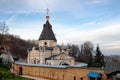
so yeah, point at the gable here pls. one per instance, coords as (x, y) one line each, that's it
(62, 56)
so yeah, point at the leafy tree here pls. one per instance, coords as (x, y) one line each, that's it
(99, 58)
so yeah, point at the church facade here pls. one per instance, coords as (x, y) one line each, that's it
(47, 51)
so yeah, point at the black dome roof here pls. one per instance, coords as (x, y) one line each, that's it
(47, 32)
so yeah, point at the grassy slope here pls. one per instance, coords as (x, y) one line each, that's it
(6, 75)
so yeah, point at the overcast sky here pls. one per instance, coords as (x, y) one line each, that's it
(73, 21)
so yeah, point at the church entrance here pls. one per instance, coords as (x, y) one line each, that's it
(63, 63)
(20, 70)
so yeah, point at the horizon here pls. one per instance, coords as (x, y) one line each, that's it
(72, 21)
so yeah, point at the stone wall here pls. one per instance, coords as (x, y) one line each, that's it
(55, 73)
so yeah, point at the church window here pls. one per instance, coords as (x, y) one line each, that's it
(81, 78)
(45, 43)
(63, 76)
(34, 61)
(38, 61)
(74, 78)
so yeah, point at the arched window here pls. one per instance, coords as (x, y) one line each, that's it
(34, 61)
(81, 78)
(63, 63)
(74, 78)
(20, 70)
(45, 43)
(38, 61)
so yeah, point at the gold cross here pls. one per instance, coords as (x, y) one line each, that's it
(47, 11)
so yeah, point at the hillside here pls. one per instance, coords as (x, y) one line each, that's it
(6, 75)
(15, 45)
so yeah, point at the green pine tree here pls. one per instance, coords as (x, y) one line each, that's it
(99, 58)
(90, 62)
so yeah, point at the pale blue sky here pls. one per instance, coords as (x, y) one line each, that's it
(73, 21)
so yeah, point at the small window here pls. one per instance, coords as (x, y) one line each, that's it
(34, 61)
(91, 78)
(45, 43)
(81, 78)
(74, 78)
(63, 76)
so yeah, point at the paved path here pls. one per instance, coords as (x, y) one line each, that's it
(35, 78)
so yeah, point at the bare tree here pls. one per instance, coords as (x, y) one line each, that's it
(3, 28)
(73, 51)
(3, 31)
(87, 51)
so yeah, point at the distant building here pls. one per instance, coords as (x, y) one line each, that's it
(47, 51)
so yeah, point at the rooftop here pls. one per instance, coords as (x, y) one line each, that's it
(47, 32)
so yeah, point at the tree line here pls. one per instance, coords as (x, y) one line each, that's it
(86, 53)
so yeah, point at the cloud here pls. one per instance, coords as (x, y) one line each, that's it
(106, 31)
(98, 1)
(89, 11)
(107, 36)
(11, 21)
(25, 6)
(28, 6)
(28, 31)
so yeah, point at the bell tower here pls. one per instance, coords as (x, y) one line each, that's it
(47, 37)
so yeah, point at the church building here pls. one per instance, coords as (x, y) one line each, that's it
(47, 51)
